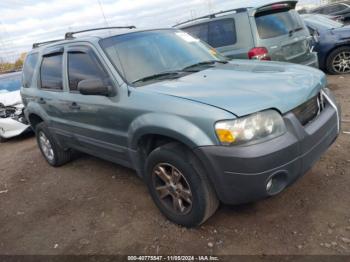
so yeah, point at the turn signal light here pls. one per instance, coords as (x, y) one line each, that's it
(225, 136)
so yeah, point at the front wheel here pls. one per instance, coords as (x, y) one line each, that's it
(338, 61)
(179, 187)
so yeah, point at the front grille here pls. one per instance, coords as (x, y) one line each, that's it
(308, 111)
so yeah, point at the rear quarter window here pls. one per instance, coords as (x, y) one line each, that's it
(276, 24)
(28, 69)
(217, 33)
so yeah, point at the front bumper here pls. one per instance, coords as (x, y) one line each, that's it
(240, 174)
(10, 128)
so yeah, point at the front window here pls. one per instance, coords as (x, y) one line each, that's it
(143, 54)
(10, 83)
(83, 66)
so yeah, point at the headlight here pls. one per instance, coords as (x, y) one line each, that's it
(251, 129)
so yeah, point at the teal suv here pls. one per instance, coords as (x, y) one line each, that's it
(197, 128)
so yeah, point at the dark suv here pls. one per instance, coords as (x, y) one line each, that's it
(338, 9)
(197, 128)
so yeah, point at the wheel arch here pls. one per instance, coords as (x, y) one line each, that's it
(168, 126)
(153, 130)
(34, 119)
(35, 115)
(340, 45)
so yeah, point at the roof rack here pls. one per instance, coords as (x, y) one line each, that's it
(69, 35)
(36, 45)
(213, 15)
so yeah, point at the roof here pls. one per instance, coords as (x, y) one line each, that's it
(242, 7)
(330, 4)
(89, 36)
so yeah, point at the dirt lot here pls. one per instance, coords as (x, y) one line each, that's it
(91, 206)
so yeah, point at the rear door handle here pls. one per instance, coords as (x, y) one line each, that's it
(74, 106)
(41, 101)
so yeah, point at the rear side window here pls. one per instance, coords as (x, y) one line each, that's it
(222, 33)
(217, 33)
(82, 66)
(28, 69)
(199, 31)
(277, 24)
(51, 72)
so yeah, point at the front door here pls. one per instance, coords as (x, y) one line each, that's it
(93, 119)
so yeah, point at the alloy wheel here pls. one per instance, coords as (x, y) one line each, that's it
(341, 62)
(46, 146)
(172, 188)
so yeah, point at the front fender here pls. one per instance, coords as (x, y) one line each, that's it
(171, 126)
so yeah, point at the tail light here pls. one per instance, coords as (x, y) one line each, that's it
(259, 53)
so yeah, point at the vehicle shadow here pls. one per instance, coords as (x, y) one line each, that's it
(19, 138)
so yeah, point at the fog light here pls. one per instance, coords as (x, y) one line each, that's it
(277, 182)
(269, 185)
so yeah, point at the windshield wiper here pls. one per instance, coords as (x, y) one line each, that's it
(291, 32)
(163, 75)
(204, 63)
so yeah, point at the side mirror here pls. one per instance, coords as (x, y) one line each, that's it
(93, 86)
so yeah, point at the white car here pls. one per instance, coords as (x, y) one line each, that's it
(12, 120)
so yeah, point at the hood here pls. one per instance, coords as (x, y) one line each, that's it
(243, 87)
(342, 32)
(10, 98)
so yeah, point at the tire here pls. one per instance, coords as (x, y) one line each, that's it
(174, 157)
(333, 56)
(2, 139)
(59, 155)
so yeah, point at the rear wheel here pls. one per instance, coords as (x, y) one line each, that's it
(50, 148)
(338, 61)
(179, 187)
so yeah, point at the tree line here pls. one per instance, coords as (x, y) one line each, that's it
(12, 66)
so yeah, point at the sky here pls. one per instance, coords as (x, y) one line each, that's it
(23, 22)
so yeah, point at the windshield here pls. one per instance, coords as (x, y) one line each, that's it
(277, 24)
(322, 22)
(143, 54)
(10, 83)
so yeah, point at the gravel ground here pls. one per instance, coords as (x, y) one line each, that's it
(91, 206)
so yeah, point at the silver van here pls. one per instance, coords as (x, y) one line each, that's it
(269, 32)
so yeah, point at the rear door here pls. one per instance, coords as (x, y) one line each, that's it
(280, 29)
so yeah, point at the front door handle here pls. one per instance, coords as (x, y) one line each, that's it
(74, 106)
(41, 101)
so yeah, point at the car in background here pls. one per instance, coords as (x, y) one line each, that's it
(12, 120)
(341, 8)
(269, 32)
(331, 41)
